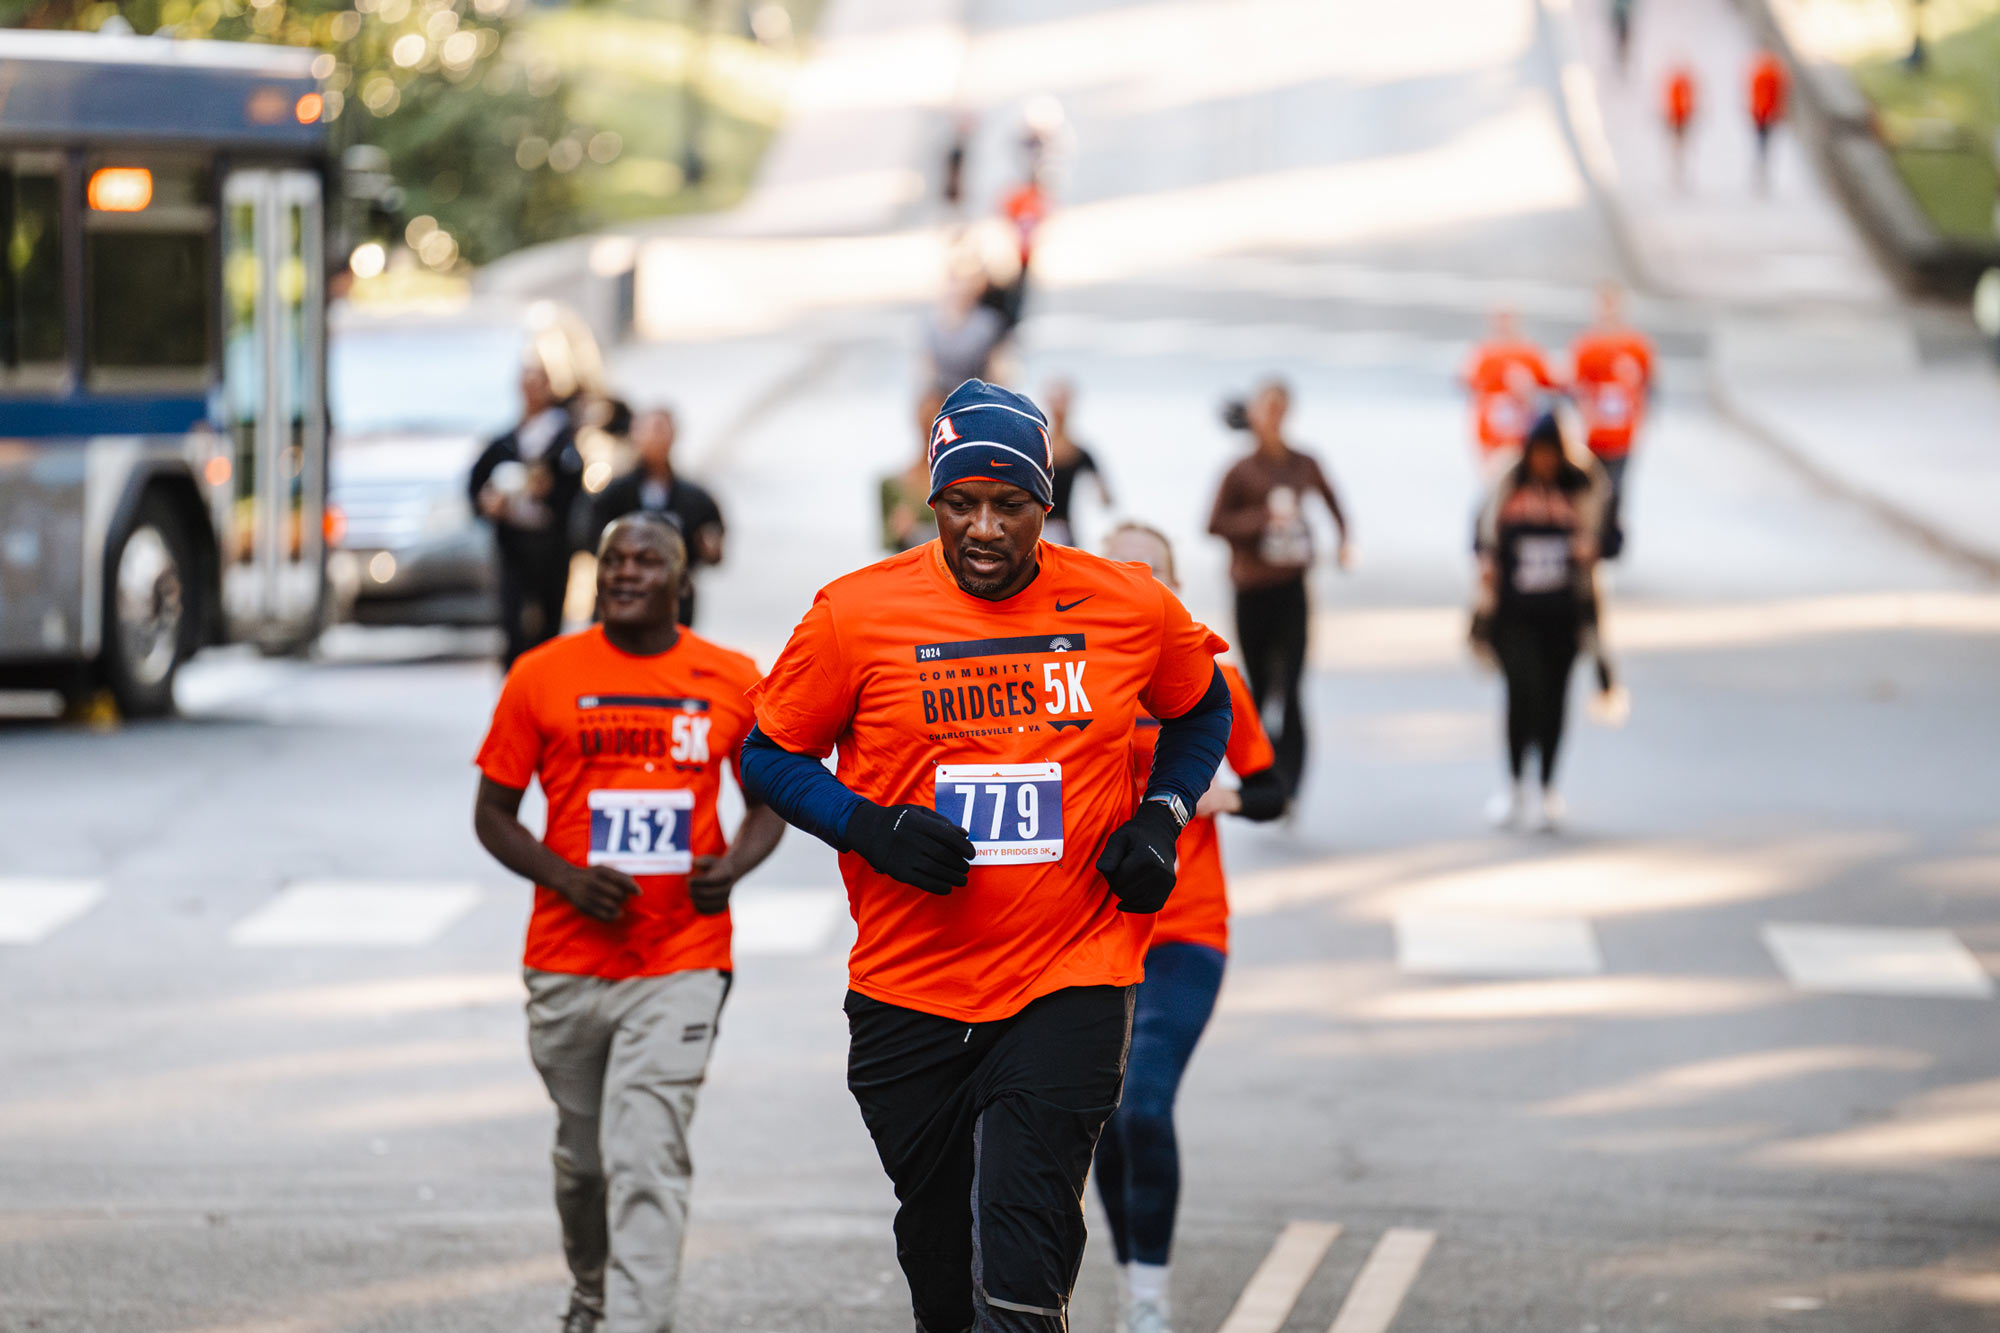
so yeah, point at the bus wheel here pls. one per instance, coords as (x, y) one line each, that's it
(149, 598)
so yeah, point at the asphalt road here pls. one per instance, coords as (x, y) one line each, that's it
(1717, 1057)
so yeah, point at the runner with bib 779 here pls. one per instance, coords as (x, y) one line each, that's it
(981, 691)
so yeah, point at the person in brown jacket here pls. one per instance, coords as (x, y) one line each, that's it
(1260, 511)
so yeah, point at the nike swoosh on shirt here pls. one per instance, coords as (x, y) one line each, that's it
(1075, 604)
(1078, 723)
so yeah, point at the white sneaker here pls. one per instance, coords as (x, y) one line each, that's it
(1504, 807)
(1145, 1317)
(1550, 817)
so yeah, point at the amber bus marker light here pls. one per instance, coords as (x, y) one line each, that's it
(309, 107)
(120, 189)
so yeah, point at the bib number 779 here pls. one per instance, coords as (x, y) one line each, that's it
(1012, 812)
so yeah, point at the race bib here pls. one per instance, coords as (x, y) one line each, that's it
(1012, 812)
(1506, 418)
(642, 832)
(1541, 564)
(1614, 405)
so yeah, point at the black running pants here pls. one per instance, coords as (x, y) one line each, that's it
(1536, 652)
(1271, 632)
(987, 1131)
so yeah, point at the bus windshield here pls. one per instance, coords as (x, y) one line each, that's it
(435, 379)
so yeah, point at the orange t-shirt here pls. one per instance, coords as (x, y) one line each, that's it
(1767, 90)
(1027, 208)
(1198, 911)
(629, 752)
(1680, 99)
(1504, 378)
(1613, 368)
(1013, 718)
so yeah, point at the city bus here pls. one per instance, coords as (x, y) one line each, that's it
(162, 357)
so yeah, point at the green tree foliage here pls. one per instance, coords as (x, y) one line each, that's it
(472, 120)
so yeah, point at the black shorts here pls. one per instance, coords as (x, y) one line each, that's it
(987, 1131)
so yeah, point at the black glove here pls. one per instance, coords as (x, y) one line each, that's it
(1138, 858)
(909, 843)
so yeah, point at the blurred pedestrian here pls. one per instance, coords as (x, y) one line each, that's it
(1003, 874)
(961, 333)
(654, 486)
(1138, 1167)
(951, 188)
(1678, 109)
(1072, 460)
(1611, 382)
(1769, 91)
(1506, 377)
(1621, 33)
(526, 484)
(626, 726)
(907, 520)
(1537, 545)
(1260, 511)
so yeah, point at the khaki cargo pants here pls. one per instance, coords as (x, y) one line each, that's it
(624, 1061)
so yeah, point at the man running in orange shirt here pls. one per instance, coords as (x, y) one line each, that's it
(1612, 382)
(981, 691)
(1138, 1160)
(1768, 88)
(1506, 374)
(626, 725)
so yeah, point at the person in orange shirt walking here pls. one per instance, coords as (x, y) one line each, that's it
(1505, 377)
(1611, 382)
(1679, 111)
(1138, 1159)
(1769, 89)
(626, 725)
(1002, 871)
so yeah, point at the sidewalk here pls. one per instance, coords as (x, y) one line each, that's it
(1811, 350)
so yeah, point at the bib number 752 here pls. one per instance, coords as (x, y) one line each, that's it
(1012, 812)
(642, 832)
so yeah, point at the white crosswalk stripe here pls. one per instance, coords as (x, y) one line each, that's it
(784, 922)
(1456, 944)
(1274, 1288)
(1379, 1288)
(1876, 961)
(33, 909)
(343, 913)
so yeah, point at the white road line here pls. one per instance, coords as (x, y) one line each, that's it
(33, 909)
(1274, 1288)
(337, 912)
(784, 922)
(1496, 946)
(1877, 961)
(1379, 1289)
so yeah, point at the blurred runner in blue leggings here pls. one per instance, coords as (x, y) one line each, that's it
(1138, 1161)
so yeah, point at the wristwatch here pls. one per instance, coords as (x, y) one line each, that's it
(1175, 806)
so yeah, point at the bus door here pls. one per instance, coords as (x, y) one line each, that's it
(274, 405)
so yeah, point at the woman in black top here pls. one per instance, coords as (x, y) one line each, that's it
(1537, 545)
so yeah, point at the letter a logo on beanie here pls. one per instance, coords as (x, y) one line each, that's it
(987, 433)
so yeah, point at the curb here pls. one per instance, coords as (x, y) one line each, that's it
(1903, 522)
(1600, 173)
(1840, 125)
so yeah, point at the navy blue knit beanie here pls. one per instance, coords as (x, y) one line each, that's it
(987, 433)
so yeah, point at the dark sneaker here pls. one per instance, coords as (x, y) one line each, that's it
(581, 1318)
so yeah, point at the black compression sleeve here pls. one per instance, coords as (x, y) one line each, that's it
(1191, 746)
